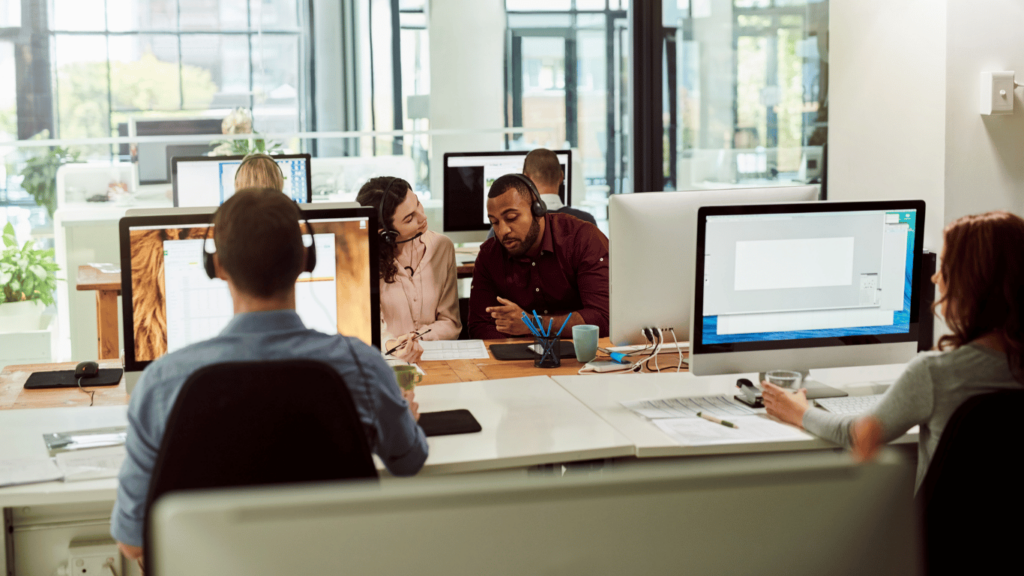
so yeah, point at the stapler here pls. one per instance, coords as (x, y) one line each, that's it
(749, 394)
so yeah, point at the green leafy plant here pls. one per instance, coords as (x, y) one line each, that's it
(26, 273)
(40, 174)
(246, 147)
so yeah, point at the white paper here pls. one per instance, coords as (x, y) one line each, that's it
(91, 464)
(454, 350)
(700, 432)
(687, 407)
(14, 472)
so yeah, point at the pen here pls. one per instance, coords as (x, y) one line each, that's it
(526, 320)
(711, 418)
(563, 325)
(540, 323)
(402, 345)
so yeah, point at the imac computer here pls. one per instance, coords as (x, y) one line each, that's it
(169, 302)
(467, 179)
(153, 156)
(651, 245)
(801, 286)
(210, 180)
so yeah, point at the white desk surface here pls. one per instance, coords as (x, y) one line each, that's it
(525, 421)
(603, 393)
(22, 437)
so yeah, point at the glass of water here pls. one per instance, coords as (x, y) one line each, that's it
(785, 379)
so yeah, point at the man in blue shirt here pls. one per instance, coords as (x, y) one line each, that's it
(260, 255)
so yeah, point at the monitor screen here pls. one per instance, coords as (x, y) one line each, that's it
(814, 275)
(169, 301)
(210, 180)
(468, 178)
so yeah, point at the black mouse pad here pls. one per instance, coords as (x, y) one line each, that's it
(66, 379)
(448, 422)
(522, 352)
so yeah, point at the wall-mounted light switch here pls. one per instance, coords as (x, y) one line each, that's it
(996, 93)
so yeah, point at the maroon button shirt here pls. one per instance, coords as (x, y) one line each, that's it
(569, 275)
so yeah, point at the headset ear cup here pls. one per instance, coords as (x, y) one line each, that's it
(211, 271)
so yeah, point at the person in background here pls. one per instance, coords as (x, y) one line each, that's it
(981, 297)
(418, 290)
(543, 168)
(259, 171)
(260, 255)
(549, 262)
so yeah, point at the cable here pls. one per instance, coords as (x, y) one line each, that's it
(661, 340)
(109, 565)
(679, 350)
(91, 393)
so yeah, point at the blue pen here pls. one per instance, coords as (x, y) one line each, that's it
(551, 323)
(563, 325)
(540, 323)
(526, 319)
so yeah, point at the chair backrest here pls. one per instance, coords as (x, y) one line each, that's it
(968, 498)
(260, 423)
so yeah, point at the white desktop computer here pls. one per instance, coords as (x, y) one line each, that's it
(467, 179)
(651, 246)
(802, 286)
(168, 302)
(210, 180)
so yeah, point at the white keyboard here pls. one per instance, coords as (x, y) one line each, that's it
(849, 404)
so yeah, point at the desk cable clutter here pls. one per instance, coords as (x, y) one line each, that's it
(655, 342)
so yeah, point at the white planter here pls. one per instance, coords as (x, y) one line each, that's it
(20, 316)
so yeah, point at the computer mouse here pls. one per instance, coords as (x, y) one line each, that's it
(87, 369)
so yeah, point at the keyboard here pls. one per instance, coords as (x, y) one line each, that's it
(849, 404)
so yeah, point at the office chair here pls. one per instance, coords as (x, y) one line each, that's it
(259, 423)
(969, 506)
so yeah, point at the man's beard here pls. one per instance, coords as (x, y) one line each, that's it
(527, 243)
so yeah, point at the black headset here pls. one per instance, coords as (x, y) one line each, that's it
(538, 208)
(387, 234)
(310, 251)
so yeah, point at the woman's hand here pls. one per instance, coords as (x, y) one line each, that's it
(785, 405)
(410, 352)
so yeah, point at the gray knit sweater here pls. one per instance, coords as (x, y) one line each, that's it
(927, 393)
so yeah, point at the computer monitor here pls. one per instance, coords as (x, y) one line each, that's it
(801, 286)
(800, 514)
(651, 240)
(168, 302)
(468, 177)
(153, 156)
(210, 180)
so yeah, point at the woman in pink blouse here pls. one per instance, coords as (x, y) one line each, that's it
(418, 289)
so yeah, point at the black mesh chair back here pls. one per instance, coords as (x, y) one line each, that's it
(968, 500)
(260, 423)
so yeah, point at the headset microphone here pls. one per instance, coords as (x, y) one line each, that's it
(410, 239)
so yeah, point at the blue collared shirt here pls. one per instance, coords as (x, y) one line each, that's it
(276, 335)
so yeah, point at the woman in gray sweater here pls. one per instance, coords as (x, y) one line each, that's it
(981, 296)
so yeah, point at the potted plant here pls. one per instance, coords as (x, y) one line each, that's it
(40, 173)
(27, 282)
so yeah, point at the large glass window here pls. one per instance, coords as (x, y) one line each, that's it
(567, 76)
(119, 59)
(746, 93)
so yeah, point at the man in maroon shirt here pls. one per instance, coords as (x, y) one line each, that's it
(552, 263)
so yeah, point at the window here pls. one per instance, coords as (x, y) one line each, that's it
(120, 59)
(567, 76)
(746, 93)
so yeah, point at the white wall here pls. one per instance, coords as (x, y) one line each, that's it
(984, 154)
(467, 86)
(887, 124)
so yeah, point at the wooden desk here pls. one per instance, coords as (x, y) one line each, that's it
(13, 394)
(108, 288)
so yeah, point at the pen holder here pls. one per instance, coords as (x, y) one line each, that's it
(549, 353)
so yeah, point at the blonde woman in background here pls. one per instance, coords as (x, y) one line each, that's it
(259, 171)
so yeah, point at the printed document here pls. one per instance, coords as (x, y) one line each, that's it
(687, 407)
(700, 432)
(454, 350)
